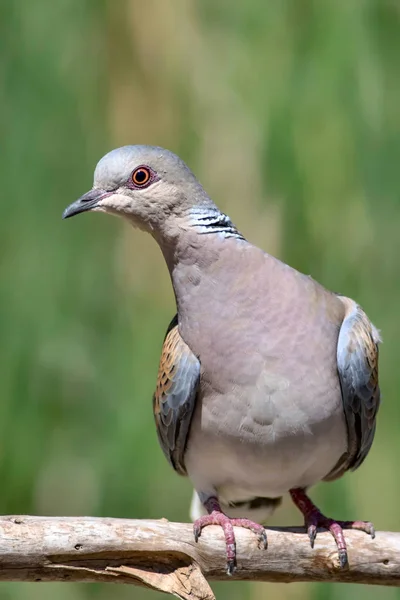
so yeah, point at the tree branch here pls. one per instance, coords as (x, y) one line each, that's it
(164, 556)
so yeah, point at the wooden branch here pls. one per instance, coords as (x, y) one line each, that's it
(164, 556)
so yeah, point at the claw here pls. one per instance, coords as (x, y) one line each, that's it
(343, 559)
(312, 534)
(196, 532)
(262, 540)
(313, 518)
(230, 567)
(217, 517)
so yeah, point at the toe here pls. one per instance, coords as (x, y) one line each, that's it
(199, 524)
(366, 526)
(257, 529)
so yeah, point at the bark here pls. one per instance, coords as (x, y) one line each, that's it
(164, 556)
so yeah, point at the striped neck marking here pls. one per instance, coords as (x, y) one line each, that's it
(211, 220)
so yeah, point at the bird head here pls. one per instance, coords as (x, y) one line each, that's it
(145, 184)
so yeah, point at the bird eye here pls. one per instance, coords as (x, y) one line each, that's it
(141, 176)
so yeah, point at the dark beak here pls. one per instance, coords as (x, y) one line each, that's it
(85, 202)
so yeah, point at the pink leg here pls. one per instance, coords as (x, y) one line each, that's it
(313, 518)
(217, 517)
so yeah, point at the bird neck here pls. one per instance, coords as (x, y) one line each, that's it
(209, 220)
(198, 232)
(195, 248)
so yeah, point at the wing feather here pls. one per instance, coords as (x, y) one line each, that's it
(357, 359)
(175, 396)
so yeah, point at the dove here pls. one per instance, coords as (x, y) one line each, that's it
(267, 382)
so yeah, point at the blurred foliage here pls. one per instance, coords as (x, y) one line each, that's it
(289, 113)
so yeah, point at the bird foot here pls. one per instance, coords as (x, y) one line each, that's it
(217, 517)
(313, 518)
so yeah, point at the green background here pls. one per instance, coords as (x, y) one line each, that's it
(289, 113)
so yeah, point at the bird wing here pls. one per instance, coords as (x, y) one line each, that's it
(175, 396)
(357, 360)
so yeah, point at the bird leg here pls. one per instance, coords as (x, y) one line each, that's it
(313, 518)
(217, 517)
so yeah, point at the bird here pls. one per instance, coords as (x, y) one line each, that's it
(267, 382)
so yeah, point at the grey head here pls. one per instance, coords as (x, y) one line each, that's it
(145, 184)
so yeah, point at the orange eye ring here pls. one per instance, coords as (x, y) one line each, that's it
(141, 176)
